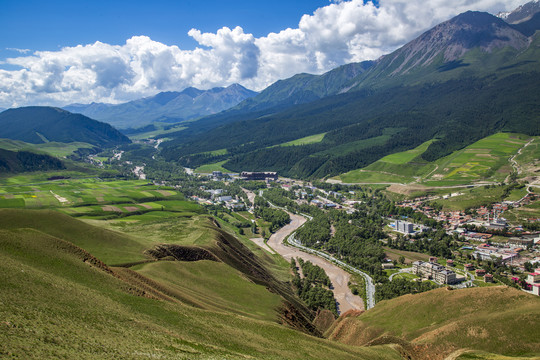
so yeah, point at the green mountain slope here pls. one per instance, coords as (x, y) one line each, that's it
(38, 124)
(304, 88)
(437, 323)
(467, 78)
(484, 160)
(24, 161)
(60, 301)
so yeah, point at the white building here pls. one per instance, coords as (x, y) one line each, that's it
(404, 227)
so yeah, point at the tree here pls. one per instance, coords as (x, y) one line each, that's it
(402, 259)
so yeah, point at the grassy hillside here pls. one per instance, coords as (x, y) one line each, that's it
(498, 320)
(40, 124)
(48, 290)
(52, 148)
(24, 161)
(486, 159)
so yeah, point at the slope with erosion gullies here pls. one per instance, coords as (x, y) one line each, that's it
(497, 320)
(118, 249)
(59, 301)
(489, 85)
(232, 252)
(41, 124)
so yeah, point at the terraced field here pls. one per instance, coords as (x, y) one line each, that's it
(485, 160)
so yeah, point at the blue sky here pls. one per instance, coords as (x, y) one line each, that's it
(48, 25)
(60, 52)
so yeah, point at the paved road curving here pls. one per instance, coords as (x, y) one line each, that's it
(339, 277)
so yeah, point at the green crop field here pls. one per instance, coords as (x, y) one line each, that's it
(70, 194)
(486, 159)
(394, 168)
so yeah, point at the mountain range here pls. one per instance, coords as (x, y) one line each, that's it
(41, 124)
(462, 80)
(169, 107)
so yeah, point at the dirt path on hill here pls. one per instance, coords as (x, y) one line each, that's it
(339, 277)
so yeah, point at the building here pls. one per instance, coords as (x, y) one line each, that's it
(521, 241)
(488, 278)
(480, 272)
(469, 267)
(404, 227)
(434, 271)
(259, 175)
(533, 279)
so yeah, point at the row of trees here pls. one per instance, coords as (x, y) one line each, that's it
(399, 287)
(313, 287)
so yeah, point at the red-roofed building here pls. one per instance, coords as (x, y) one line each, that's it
(488, 278)
(480, 272)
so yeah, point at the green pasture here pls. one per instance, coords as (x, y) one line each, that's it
(47, 293)
(156, 133)
(208, 168)
(312, 139)
(406, 156)
(51, 148)
(366, 176)
(472, 198)
(486, 159)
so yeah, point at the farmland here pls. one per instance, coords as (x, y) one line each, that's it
(486, 159)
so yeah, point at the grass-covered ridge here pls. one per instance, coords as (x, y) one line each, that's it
(47, 292)
(496, 320)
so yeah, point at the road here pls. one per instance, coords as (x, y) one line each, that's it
(339, 277)
(513, 161)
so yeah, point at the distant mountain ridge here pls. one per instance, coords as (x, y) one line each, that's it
(304, 88)
(460, 81)
(170, 106)
(522, 13)
(40, 124)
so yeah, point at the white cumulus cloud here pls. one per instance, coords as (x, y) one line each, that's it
(342, 32)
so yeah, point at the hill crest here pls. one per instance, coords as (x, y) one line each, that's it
(40, 124)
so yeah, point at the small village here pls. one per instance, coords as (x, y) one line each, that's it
(485, 236)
